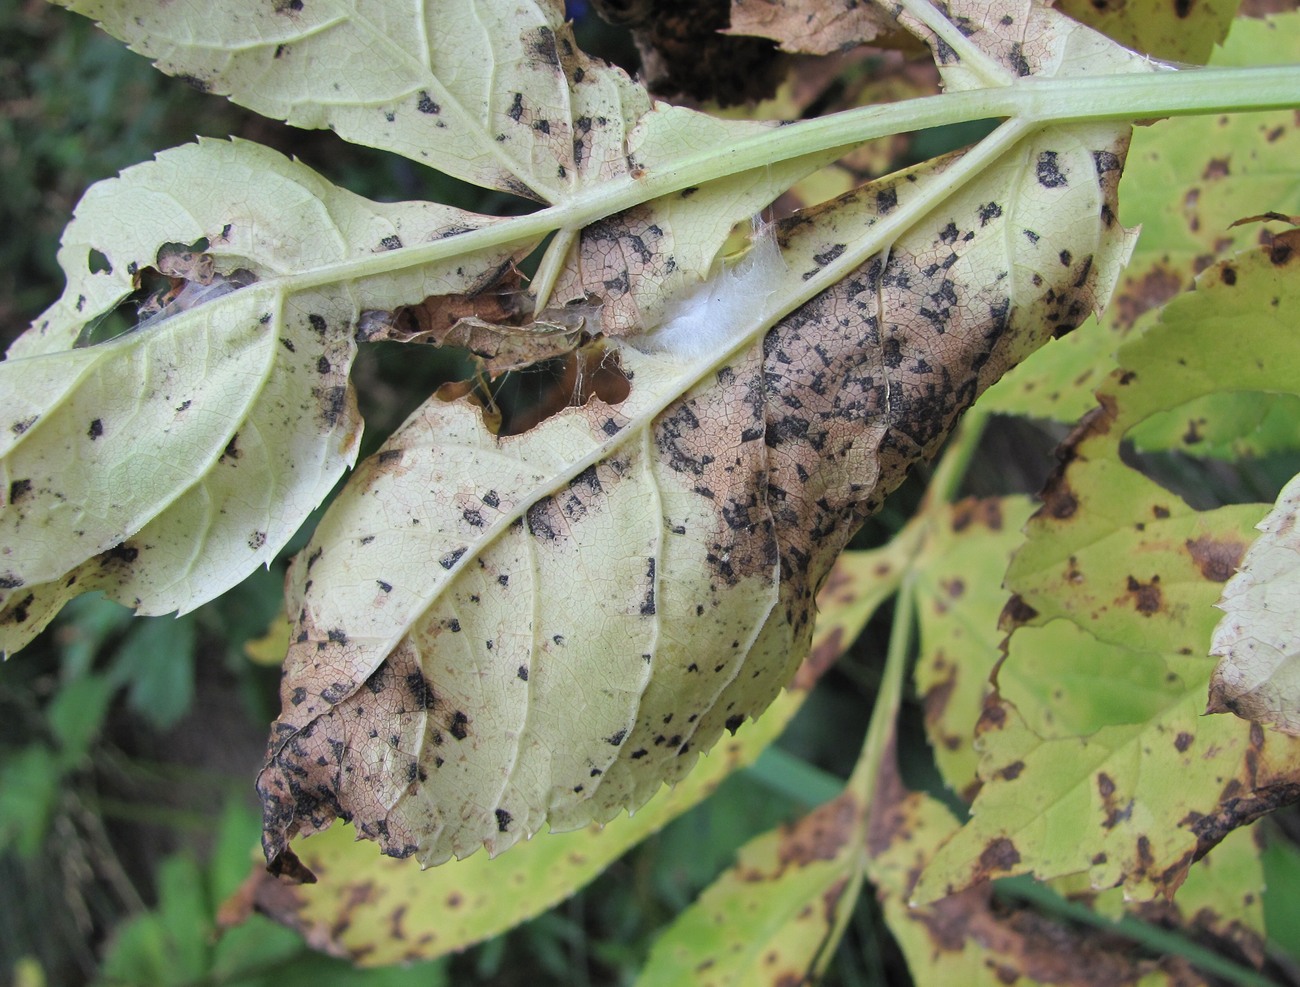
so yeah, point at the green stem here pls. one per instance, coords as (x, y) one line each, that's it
(1031, 100)
(879, 742)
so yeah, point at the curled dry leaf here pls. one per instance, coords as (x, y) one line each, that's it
(1258, 642)
(496, 633)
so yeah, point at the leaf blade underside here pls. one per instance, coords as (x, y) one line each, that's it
(614, 588)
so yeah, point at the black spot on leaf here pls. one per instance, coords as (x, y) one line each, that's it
(1049, 171)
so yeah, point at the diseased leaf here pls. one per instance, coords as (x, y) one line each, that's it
(1258, 676)
(957, 608)
(771, 918)
(1187, 182)
(615, 587)
(1097, 759)
(973, 937)
(496, 94)
(360, 894)
(1171, 29)
(165, 465)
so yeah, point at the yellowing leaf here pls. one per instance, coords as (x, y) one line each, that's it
(494, 634)
(166, 464)
(1183, 32)
(1187, 182)
(1098, 759)
(771, 917)
(359, 894)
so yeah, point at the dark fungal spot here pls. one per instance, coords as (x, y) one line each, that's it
(194, 82)
(421, 692)
(1049, 171)
(648, 604)
(615, 739)
(451, 558)
(317, 322)
(19, 489)
(338, 636)
(522, 673)
(299, 696)
(120, 553)
(541, 46)
(988, 212)
(288, 344)
(19, 613)
(733, 723)
(503, 820)
(389, 456)
(491, 499)
(425, 104)
(639, 753)
(21, 426)
(96, 429)
(386, 587)
(391, 243)
(10, 581)
(473, 518)
(256, 540)
(886, 201)
(1016, 59)
(829, 254)
(459, 725)
(1229, 276)
(323, 365)
(516, 107)
(280, 50)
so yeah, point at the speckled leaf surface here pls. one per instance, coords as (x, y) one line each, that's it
(362, 896)
(1169, 29)
(1258, 676)
(959, 596)
(1098, 758)
(976, 937)
(165, 465)
(494, 634)
(772, 919)
(496, 94)
(1187, 182)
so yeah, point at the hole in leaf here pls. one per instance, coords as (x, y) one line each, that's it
(520, 400)
(98, 262)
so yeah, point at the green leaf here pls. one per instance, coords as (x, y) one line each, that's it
(30, 788)
(156, 665)
(76, 714)
(1098, 759)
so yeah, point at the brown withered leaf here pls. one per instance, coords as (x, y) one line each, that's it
(811, 28)
(498, 633)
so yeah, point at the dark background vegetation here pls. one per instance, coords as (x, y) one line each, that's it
(128, 747)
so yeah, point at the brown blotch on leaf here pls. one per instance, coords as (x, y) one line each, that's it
(999, 855)
(1217, 559)
(1147, 598)
(820, 835)
(1015, 613)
